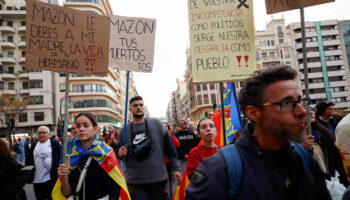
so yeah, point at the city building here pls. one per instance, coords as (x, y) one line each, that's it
(274, 46)
(344, 29)
(16, 80)
(326, 61)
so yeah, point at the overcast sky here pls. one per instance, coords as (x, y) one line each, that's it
(172, 39)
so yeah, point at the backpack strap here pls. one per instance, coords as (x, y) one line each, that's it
(303, 154)
(234, 169)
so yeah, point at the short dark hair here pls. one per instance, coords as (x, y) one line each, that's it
(166, 124)
(322, 106)
(253, 92)
(135, 98)
(90, 116)
(4, 150)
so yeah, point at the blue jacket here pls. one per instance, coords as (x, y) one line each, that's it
(266, 175)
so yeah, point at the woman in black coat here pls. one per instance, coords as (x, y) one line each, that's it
(12, 178)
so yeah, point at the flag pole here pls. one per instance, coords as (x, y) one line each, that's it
(126, 107)
(306, 77)
(65, 120)
(223, 112)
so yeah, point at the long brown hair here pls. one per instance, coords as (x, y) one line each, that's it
(4, 150)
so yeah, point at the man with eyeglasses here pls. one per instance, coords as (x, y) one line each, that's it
(45, 156)
(273, 165)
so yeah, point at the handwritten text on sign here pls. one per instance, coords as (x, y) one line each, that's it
(132, 43)
(66, 40)
(222, 39)
(274, 6)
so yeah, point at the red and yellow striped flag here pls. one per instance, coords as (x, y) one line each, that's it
(179, 193)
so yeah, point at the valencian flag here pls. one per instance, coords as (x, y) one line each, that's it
(179, 193)
(233, 120)
(105, 157)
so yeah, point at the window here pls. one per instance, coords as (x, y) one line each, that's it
(199, 99)
(23, 23)
(268, 42)
(257, 56)
(198, 87)
(264, 55)
(1, 85)
(272, 43)
(279, 29)
(39, 116)
(11, 86)
(62, 74)
(10, 23)
(10, 38)
(272, 54)
(23, 38)
(1, 69)
(23, 54)
(25, 85)
(281, 41)
(23, 117)
(11, 70)
(10, 54)
(37, 100)
(36, 83)
(213, 98)
(212, 86)
(206, 99)
(204, 86)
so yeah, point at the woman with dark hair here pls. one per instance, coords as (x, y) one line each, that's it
(330, 159)
(92, 171)
(207, 132)
(12, 178)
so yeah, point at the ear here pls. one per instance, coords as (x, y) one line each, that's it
(253, 113)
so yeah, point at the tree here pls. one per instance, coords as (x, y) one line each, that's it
(10, 107)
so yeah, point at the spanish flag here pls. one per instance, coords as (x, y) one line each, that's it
(105, 157)
(179, 193)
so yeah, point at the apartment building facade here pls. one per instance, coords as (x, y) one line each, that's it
(326, 61)
(16, 80)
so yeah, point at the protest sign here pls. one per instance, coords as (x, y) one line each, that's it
(222, 39)
(65, 40)
(275, 6)
(132, 43)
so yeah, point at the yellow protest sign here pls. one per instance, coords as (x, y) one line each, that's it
(222, 39)
(65, 40)
(275, 6)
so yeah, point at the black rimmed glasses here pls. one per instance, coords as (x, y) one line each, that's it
(289, 105)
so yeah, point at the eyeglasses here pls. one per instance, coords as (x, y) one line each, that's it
(42, 133)
(289, 105)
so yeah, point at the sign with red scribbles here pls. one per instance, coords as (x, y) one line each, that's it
(132, 43)
(66, 40)
(222, 36)
(275, 6)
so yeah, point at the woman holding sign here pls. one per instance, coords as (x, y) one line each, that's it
(93, 171)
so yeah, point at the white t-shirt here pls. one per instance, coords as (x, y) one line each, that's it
(42, 161)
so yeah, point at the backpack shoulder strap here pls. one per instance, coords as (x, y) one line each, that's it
(303, 154)
(234, 169)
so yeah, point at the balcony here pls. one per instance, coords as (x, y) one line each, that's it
(7, 29)
(8, 76)
(21, 44)
(23, 75)
(340, 94)
(8, 44)
(333, 53)
(337, 83)
(24, 91)
(331, 42)
(308, 44)
(271, 59)
(22, 29)
(7, 91)
(335, 62)
(7, 60)
(22, 60)
(14, 12)
(330, 32)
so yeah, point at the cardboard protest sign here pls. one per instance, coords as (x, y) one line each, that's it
(275, 6)
(65, 40)
(132, 43)
(222, 39)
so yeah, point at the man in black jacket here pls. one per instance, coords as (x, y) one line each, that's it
(45, 156)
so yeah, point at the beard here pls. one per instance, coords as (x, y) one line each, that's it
(138, 115)
(283, 134)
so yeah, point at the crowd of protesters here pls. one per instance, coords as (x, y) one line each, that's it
(276, 158)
